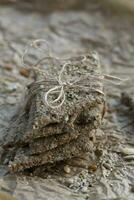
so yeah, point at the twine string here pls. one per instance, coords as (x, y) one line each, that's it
(78, 83)
(60, 88)
(59, 85)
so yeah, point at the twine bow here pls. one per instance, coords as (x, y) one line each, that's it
(61, 85)
(60, 88)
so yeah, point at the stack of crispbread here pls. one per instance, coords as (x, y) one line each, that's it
(61, 114)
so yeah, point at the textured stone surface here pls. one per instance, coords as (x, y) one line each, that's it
(111, 34)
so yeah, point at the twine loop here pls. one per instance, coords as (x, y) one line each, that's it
(59, 89)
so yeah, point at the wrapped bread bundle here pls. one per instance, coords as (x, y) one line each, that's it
(64, 107)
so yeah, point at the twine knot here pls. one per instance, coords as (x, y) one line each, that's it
(60, 85)
(59, 89)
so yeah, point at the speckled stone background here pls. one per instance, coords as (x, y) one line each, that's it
(71, 27)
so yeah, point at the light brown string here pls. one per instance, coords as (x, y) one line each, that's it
(60, 86)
